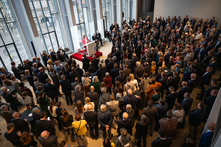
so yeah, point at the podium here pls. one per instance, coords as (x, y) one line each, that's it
(90, 48)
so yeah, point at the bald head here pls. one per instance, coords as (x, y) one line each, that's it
(15, 115)
(211, 126)
(45, 134)
(125, 115)
(130, 92)
(92, 88)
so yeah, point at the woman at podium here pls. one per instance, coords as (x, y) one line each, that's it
(85, 40)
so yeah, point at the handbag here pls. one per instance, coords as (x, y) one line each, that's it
(74, 134)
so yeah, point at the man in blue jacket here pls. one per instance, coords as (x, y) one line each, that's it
(206, 138)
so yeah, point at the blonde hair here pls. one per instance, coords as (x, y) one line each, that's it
(153, 63)
(131, 76)
(95, 79)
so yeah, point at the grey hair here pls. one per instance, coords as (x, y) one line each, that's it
(129, 107)
(103, 90)
(78, 88)
(107, 74)
(62, 77)
(35, 110)
(103, 108)
(95, 79)
(4, 107)
(3, 89)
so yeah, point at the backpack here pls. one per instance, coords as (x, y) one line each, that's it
(124, 145)
(105, 101)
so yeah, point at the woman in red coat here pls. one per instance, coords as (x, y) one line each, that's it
(108, 81)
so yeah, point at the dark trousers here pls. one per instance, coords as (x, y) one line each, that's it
(59, 123)
(193, 132)
(100, 40)
(94, 131)
(68, 98)
(139, 140)
(54, 97)
(105, 132)
(151, 128)
(202, 91)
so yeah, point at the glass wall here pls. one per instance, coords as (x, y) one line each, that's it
(47, 20)
(81, 8)
(125, 9)
(12, 46)
(115, 10)
(106, 8)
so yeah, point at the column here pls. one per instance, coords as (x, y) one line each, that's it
(65, 27)
(100, 23)
(91, 18)
(135, 9)
(119, 13)
(72, 24)
(28, 27)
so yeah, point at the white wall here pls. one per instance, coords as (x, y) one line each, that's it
(194, 8)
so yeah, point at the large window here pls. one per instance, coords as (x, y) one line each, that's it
(115, 10)
(47, 20)
(106, 8)
(125, 9)
(81, 16)
(11, 43)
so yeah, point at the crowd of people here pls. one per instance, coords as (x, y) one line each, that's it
(144, 84)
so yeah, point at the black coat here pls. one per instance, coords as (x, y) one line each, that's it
(42, 77)
(181, 93)
(127, 124)
(133, 63)
(138, 72)
(163, 81)
(101, 73)
(85, 62)
(174, 82)
(95, 63)
(110, 66)
(192, 84)
(114, 73)
(16, 72)
(186, 103)
(158, 142)
(20, 125)
(93, 96)
(42, 125)
(206, 78)
(170, 99)
(54, 78)
(196, 117)
(91, 118)
(50, 141)
(121, 79)
(51, 89)
(73, 75)
(66, 86)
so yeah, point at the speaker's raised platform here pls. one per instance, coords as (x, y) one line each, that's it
(79, 56)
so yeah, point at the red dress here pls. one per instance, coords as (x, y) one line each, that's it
(143, 51)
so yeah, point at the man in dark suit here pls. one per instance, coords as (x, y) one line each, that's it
(126, 70)
(163, 81)
(205, 80)
(151, 113)
(139, 71)
(217, 44)
(105, 120)
(121, 78)
(13, 136)
(51, 90)
(213, 84)
(9, 98)
(66, 89)
(20, 125)
(44, 124)
(16, 71)
(162, 108)
(79, 70)
(162, 140)
(91, 118)
(186, 75)
(95, 62)
(133, 62)
(206, 138)
(202, 52)
(73, 74)
(192, 22)
(110, 65)
(218, 56)
(85, 62)
(93, 96)
(187, 103)
(174, 81)
(114, 72)
(6, 113)
(42, 75)
(53, 56)
(98, 37)
(131, 99)
(182, 91)
(209, 101)
(167, 56)
(55, 79)
(192, 82)
(101, 72)
(138, 49)
(213, 64)
(118, 54)
(46, 139)
(195, 119)
(170, 98)
(126, 123)
(77, 82)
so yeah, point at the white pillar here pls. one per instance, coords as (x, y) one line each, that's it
(72, 24)
(100, 23)
(119, 13)
(135, 9)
